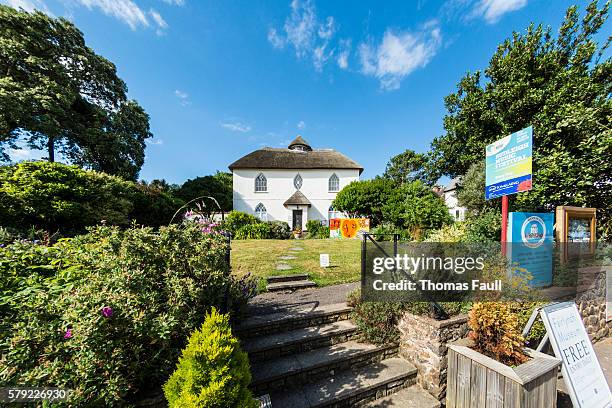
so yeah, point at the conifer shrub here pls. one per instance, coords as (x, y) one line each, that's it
(212, 371)
(495, 332)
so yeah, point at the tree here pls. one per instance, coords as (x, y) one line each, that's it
(364, 198)
(559, 85)
(407, 167)
(471, 190)
(218, 186)
(416, 208)
(58, 95)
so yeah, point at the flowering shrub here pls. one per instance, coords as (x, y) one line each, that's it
(106, 313)
(212, 370)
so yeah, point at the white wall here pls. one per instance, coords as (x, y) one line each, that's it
(456, 211)
(280, 188)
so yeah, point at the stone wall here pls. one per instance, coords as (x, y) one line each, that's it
(591, 301)
(423, 343)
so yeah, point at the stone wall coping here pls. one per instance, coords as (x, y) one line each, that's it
(595, 269)
(438, 324)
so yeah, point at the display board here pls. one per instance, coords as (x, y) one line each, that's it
(582, 373)
(348, 227)
(531, 238)
(508, 162)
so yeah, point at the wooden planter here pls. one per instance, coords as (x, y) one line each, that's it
(477, 381)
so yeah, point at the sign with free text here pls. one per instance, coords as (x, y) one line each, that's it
(508, 163)
(324, 260)
(582, 373)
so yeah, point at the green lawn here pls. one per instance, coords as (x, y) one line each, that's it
(260, 256)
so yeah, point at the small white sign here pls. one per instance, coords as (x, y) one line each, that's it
(324, 260)
(582, 373)
(608, 295)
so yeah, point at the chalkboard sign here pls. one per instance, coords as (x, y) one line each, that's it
(581, 370)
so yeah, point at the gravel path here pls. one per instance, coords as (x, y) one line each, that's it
(273, 302)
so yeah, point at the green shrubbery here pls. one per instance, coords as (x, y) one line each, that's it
(238, 219)
(212, 370)
(106, 313)
(246, 226)
(260, 230)
(316, 230)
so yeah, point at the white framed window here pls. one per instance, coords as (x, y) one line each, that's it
(331, 213)
(261, 212)
(261, 183)
(334, 183)
(297, 182)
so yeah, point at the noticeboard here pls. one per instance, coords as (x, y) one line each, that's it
(582, 373)
(508, 162)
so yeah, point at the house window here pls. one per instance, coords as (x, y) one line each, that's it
(261, 184)
(261, 213)
(334, 183)
(297, 182)
(331, 213)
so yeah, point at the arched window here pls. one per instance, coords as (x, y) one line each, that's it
(261, 213)
(334, 183)
(331, 213)
(297, 182)
(261, 183)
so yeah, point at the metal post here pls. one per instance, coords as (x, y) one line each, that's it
(504, 223)
(363, 260)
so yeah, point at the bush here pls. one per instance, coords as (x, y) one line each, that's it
(484, 227)
(106, 313)
(254, 231)
(152, 206)
(212, 370)
(313, 227)
(378, 320)
(280, 230)
(238, 219)
(323, 232)
(54, 196)
(495, 332)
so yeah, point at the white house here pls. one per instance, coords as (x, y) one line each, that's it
(451, 201)
(294, 185)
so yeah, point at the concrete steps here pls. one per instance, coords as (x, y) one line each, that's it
(411, 397)
(352, 387)
(300, 368)
(312, 357)
(288, 282)
(299, 340)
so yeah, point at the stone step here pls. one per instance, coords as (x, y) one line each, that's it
(295, 370)
(293, 285)
(410, 397)
(299, 340)
(272, 323)
(287, 278)
(353, 387)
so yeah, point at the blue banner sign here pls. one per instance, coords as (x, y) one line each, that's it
(509, 164)
(530, 248)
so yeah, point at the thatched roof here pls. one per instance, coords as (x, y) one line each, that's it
(297, 199)
(275, 158)
(298, 143)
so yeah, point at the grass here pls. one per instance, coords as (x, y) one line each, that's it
(260, 257)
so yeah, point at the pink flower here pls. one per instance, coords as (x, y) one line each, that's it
(68, 334)
(107, 311)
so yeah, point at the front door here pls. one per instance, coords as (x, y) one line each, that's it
(297, 219)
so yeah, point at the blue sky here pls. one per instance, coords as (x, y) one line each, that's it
(222, 78)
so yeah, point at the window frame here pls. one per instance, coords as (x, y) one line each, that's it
(336, 180)
(261, 183)
(261, 215)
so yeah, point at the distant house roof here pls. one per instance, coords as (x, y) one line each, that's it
(453, 184)
(297, 199)
(299, 155)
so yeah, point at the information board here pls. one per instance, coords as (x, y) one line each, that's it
(324, 260)
(532, 238)
(582, 373)
(509, 164)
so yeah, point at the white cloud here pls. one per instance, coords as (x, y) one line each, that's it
(26, 153)
(159, 20)
(399, 54)
(236, 127)
(175, 2)
(493, 10)
(301, 125)
(29, 5)
(302, 30)
(344, 50)
(183, 97)
(155, 141)
(124, 10)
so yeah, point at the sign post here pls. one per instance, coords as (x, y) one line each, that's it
(508, 170)
(582, 373)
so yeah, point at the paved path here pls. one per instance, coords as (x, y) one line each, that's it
(603, 349)
(271, 302)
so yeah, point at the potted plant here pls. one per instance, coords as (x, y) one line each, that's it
(297, 233)
(493, 368)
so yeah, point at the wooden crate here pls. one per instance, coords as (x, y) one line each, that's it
(477, 381)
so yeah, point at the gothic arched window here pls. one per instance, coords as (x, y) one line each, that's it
(261, 212)
(334, 183)
(261, 183)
